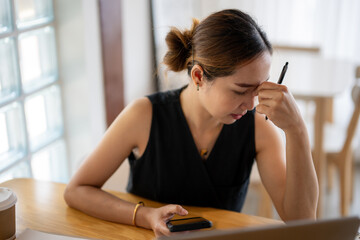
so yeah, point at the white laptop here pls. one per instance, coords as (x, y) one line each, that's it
(328, 229)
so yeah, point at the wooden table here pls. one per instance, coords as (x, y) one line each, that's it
(41, 207)
(312, 77)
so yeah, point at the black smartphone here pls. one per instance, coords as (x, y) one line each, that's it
(186, 224)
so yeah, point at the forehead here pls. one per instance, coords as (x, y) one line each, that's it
(258, 69)
(253, 73)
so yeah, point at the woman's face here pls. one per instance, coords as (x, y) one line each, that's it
(229, 98)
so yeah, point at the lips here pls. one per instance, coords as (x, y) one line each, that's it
(237, 116)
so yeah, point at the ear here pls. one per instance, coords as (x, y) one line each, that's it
(197, 75)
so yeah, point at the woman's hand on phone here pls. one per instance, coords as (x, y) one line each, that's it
(157, 218)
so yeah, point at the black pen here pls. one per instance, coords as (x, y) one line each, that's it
(282, 75)
(281, 78)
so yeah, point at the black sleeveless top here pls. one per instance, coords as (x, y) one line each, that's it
(171, 169)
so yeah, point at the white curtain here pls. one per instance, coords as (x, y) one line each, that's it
(332, 25)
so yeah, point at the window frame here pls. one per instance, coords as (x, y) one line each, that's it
(22, 95)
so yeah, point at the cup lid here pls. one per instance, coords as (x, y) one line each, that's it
(7, 198)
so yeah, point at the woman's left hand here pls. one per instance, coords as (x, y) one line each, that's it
(277, 103)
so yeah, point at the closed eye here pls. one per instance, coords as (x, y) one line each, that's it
(240, 93)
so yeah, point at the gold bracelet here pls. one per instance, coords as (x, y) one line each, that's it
(135, 210)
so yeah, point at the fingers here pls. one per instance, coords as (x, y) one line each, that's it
(161, 230)
(177, 209)
(263, 109)
(265, 86)
(268, 106)
(271, 97)
(167, 212)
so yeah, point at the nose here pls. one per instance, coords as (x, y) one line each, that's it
(249, 102)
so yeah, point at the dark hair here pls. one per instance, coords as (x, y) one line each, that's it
(219, 44)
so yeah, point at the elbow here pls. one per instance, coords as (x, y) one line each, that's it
(300, 217)
(309, 214)
(69, 195)
(303, 209)
(306, 210)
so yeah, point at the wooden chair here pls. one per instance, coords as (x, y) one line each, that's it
(343, 159)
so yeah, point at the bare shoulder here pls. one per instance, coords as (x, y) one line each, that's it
(135, 120)
(267, 135)
(264, 128)
(139, 107)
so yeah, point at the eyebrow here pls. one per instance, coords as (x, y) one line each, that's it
(247, 85)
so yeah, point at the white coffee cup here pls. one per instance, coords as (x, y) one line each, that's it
(7, 214)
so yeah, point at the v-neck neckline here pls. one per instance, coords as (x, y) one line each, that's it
(188, 130)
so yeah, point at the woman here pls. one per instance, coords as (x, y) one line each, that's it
(196, 145)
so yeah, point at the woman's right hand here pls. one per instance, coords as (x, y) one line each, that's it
(157, 218)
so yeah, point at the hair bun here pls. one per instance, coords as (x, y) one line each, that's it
(179, 47)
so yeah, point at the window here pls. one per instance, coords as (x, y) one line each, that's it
(31, 125)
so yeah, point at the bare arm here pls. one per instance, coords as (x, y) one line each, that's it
(287, 173)
(130, 130)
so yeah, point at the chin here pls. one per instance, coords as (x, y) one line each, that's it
(228, 121)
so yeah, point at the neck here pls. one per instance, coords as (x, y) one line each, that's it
(196, 115)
